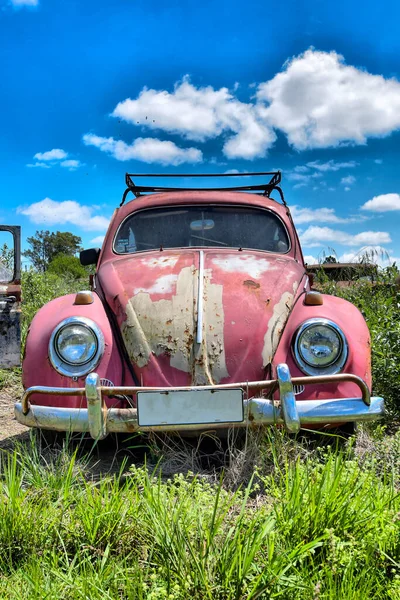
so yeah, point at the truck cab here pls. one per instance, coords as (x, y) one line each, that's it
(10, 296)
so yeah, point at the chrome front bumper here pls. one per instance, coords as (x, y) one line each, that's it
(98, 420)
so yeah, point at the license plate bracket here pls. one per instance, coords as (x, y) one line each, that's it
(189, 407)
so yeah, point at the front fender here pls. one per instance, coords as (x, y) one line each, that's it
(353, 325)
(37, 369)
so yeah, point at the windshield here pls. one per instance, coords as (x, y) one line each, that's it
(185, 226)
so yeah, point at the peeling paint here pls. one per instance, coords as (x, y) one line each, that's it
(167, 326)
(276, 324)
(160, 327)
(213, 341)
(250, 265)
(163, 285)
(161, 262)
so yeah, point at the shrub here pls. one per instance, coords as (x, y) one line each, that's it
(379, 302)
(40, 288)
(67, 266)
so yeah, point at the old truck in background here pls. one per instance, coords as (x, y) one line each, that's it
(10, 297)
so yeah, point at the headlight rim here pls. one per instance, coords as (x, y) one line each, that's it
(61, 365)
(337, 365)
(57, 345)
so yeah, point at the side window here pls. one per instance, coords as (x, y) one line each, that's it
(10, 296)
(6, 256)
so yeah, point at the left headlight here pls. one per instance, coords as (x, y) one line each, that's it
(76, 346)
(320, 347)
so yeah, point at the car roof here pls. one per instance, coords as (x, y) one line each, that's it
(200, 197)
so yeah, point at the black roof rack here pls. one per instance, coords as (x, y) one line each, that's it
(264, 188)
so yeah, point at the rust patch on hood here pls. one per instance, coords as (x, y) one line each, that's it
(251, 285)
(168, 326)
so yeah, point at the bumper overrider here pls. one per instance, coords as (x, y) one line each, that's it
(168, 407)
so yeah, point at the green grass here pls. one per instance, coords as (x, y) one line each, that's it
(286, 519)
(325, 527)
(40, 288)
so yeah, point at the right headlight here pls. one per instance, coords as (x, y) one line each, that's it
(320, 347)
(76, 346)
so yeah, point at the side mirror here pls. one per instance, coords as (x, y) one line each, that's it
(89, 257)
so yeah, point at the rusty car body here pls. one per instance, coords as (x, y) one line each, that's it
(200, 317)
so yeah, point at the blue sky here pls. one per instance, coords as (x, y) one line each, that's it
(93, 89)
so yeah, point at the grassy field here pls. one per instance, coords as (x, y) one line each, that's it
(311, 523)
(278, 517)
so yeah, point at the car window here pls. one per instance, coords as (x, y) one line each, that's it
(6, 256)
(6, 274)
(182, 227)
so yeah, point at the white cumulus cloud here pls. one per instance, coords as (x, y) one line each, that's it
(55, 154)
(98, 240)
(315, 215)
(149, 150)
(383, 203)
(318, 101)
(50, 212)
(310, 260)
(319, 236)
(40, 165)
(349, 180)
(201, 113)
(302, 176)
(70, 164)
(331, 165)
(55, 157)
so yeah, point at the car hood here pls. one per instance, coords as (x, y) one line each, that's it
(231, 334)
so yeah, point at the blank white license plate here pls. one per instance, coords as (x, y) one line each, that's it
(192, 407)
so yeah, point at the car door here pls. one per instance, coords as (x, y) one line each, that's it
(10, 296)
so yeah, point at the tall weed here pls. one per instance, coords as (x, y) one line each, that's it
(379, 302)
(325, 527)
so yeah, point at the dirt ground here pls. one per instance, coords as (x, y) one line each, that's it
(10, 430)
(106, 457)
(205, 455)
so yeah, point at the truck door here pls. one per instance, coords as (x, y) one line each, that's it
(10, 296)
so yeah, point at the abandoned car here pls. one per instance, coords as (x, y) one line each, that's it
(200, 317)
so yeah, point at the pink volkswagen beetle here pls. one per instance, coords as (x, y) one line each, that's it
(200, 317)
